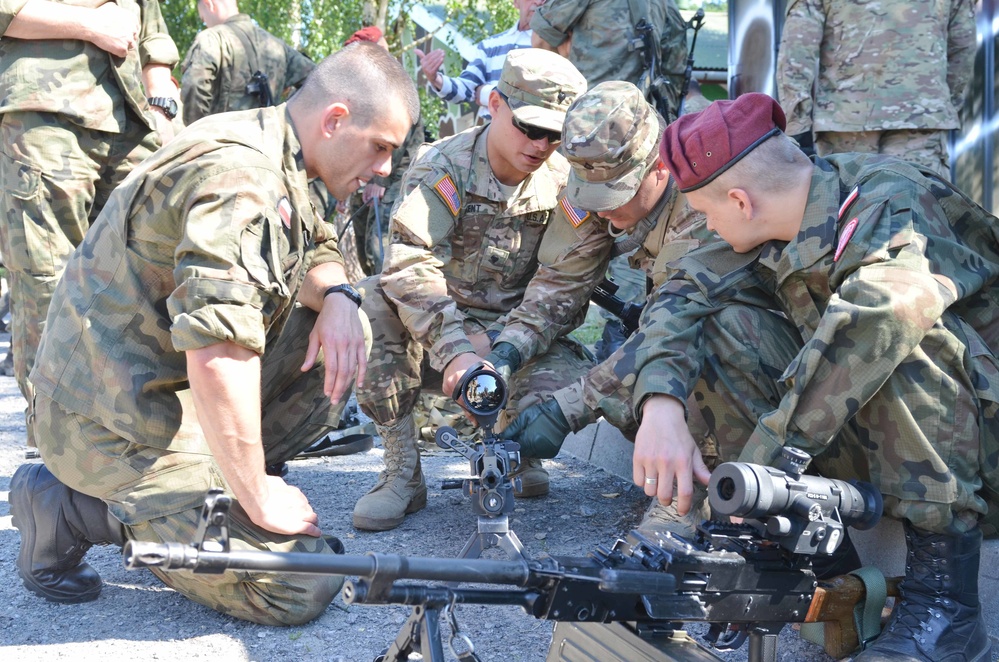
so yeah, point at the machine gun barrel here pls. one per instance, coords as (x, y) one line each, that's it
(178, 556)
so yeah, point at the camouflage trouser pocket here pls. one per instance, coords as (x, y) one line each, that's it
(26, 243)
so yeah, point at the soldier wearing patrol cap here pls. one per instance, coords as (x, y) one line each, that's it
(619, 184)
(465, 250)
(203, 331)
(892, 277)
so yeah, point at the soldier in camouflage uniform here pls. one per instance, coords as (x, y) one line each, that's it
(892, 278)
(74, 121)
(223, 58)
(462, 282)
(617, 179)
(208, 301)
(886, 77)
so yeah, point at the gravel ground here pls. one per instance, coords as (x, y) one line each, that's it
(137, 618)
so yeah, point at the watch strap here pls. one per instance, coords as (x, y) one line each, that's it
(345, 289)
(166, 104)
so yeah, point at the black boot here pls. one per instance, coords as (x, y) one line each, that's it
(938, 618)
(58, 525)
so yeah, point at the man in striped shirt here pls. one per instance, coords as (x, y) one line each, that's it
(474, 84)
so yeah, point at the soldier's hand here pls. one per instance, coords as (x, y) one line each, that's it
(340, 334)
(164, 127)
(284, 509)
(430, 63)
(112, 29)
(665, 453)
(505, 359)
(372, 191)
(540, 430)
(457, 368)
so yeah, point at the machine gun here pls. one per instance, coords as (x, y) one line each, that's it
(695, 23)
(633, 596)
(605, 296)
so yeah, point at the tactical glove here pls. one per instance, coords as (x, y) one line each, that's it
(505, 358)
(806, 143)
(540, 430)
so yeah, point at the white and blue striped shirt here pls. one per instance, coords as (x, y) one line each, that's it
(484, 69)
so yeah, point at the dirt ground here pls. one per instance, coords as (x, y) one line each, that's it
(137, 618)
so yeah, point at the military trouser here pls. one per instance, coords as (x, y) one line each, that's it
(158, 492)
(397, 370)
(926, 148)
(56, 178)
(927, 440)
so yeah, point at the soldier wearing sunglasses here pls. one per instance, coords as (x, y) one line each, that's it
(466, 236)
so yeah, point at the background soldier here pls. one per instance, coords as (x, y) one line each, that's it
(221, 63)
(464, 250)
(74, 83)
(892, 277)
(183, 303)
(886, 77)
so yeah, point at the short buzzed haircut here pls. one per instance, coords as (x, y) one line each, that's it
(364, 76)
(764, 169)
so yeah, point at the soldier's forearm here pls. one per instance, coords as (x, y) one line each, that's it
(41, 19)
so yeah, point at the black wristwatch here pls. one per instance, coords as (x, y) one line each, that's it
(166, 104)
(346, 290)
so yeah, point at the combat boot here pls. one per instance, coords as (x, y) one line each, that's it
(58, 525)
(400, 489)
(938, 618)
(533, 479)
(659, 519)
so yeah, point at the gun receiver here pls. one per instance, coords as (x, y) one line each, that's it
(605, 296)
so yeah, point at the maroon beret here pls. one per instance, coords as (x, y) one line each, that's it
(698, 147)
(371, 33)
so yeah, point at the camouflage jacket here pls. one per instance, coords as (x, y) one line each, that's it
(217, 68)
(462, 247)
(76, 79)
(860, 65)
(673, 230)
(600, 33)
(207, 241)
(886, 260)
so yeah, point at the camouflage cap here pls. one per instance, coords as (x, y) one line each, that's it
(540, 86)
(609, 134)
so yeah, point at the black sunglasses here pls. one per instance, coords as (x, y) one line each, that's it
(532, 132)
(536, 132)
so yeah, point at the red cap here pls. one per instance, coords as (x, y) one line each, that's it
(698, 147)
(371, 33)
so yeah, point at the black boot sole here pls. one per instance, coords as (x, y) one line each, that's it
(23, 519)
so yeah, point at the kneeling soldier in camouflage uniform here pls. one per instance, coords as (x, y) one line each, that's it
(611, 139)
(892, 277)
(202, 331)
(456, 283)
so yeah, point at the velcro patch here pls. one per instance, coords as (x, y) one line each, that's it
(449, 193)
(575, 215)
(844, 238)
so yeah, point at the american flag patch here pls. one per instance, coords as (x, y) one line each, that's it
(449, 193)
(844, 238)
(575, 215)
(284, 210)
(850, 199)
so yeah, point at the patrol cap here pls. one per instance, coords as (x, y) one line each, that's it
(540, 86)
(610, 133)
(698, 147)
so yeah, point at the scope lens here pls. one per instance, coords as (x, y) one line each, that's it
(484, 394)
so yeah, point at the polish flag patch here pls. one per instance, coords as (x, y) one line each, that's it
(284, 210)
(844, 238)
(575, 215)
(850, 199)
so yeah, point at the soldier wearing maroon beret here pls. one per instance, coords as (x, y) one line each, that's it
(892, 277)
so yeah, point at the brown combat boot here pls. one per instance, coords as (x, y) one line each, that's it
(938, 618)
(533, 479)
(58, 525)
(400, 489)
